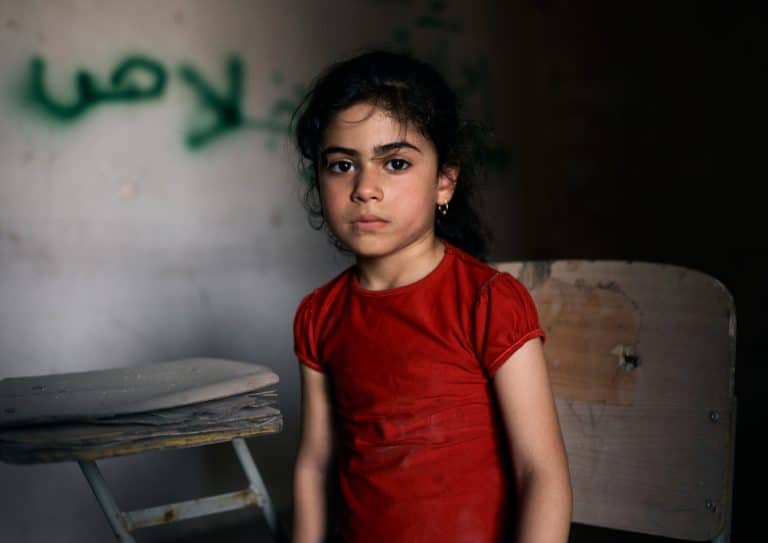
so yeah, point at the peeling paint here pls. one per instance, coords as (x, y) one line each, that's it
(627, 359)
(535, 273)
(592, 336)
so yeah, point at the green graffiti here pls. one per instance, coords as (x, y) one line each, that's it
(470, 76)
(277, 78)
(123, 86)
(139, 78)
(474, 77)
(280, 114)
(226, 107)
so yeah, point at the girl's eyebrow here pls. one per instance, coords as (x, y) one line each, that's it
(378, 150)
(387, 147)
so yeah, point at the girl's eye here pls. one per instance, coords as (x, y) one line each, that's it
(398, 164)
(340, 166)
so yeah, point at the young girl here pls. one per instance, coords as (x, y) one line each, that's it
(425, 391)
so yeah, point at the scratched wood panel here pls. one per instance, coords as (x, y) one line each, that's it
(105, 393)
(641, 358)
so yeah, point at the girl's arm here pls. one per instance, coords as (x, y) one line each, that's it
(315, 447)
(540, 465)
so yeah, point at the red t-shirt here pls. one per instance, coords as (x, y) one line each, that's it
(422, 454)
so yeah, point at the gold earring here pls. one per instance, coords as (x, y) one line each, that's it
(443, 209)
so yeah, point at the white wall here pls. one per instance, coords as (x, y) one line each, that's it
(122, 245)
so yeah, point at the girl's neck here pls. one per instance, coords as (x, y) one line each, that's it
(402, 267)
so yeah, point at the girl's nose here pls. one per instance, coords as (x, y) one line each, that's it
(366, 187)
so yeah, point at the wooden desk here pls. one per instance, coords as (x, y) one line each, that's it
(85, 416)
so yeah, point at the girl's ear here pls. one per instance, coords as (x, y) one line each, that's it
(446, 183)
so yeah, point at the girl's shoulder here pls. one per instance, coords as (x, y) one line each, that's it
(327, 291)
(313, 309)
(479, 279)
(467, 260)
(471, 271)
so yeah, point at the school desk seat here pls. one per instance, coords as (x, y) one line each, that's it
(641, 359)
(85, 416)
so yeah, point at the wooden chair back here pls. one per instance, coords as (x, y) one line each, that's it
(641, 358)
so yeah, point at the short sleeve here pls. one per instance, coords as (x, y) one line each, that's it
(304, 344)
(505, 318)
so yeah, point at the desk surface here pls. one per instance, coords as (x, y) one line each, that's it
(107, 393)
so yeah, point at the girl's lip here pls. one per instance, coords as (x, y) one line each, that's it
(366, 218)
(368, 223)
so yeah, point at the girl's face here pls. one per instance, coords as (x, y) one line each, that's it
(379, 182)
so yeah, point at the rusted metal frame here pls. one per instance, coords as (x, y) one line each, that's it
(122, 524)
(99, 486)
(174, 512)
(725, 535)
(258, 487)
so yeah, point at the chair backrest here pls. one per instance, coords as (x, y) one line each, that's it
(641, 358)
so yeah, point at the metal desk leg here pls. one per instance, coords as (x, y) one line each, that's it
(257, 484)
(107, 502)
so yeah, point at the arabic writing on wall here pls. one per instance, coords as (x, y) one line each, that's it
(141, 78)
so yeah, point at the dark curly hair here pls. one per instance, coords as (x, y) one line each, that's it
(413, 92)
